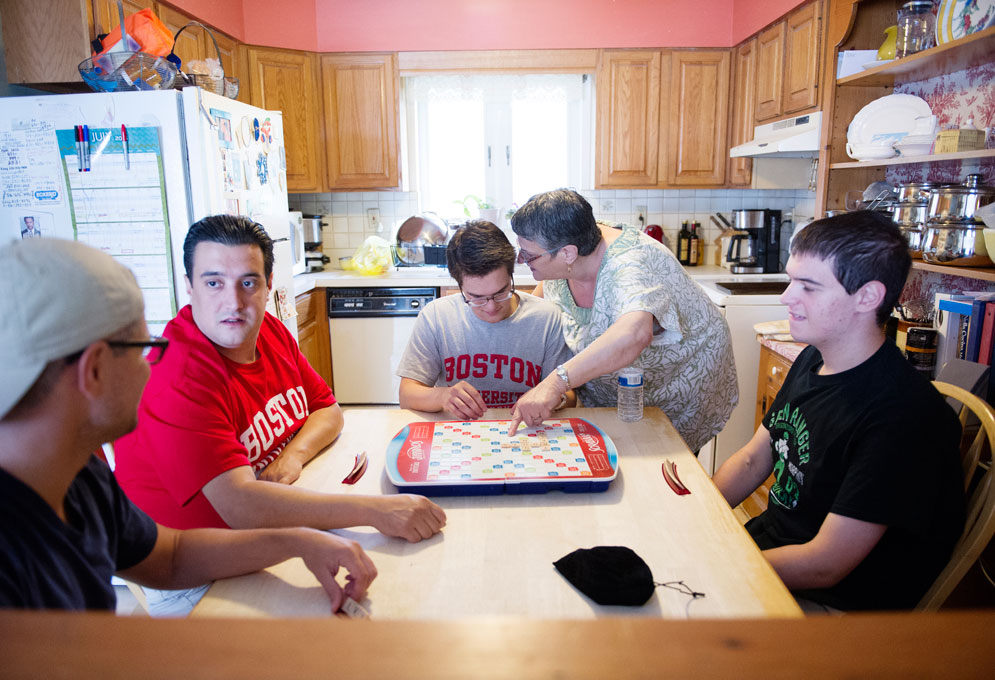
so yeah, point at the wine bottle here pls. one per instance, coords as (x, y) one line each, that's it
(684, 244)
(694, 248)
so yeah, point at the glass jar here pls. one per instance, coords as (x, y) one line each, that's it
(916, 28)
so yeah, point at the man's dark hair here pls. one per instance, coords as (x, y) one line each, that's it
(478, 248)
(556, 219)
(228, 230)
(862, 246)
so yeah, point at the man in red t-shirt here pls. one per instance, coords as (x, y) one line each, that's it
(234, 411)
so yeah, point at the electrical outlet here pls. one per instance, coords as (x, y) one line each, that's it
(373, 219)
(641, 214)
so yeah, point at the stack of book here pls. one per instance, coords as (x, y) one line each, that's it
(965, 327)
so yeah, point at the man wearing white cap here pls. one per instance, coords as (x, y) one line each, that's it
(74, 358)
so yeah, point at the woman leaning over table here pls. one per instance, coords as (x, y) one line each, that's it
(626, 301)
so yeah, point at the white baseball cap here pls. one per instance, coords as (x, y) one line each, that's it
(56, 298)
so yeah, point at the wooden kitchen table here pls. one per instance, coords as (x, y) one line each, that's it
(495, 555)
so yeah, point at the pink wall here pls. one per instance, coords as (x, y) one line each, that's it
(226, 15)
(408, 25)
(749, 16)
(520, 24)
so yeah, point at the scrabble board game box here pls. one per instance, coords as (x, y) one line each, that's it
(478, 457)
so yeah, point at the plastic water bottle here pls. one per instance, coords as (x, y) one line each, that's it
(630, 394)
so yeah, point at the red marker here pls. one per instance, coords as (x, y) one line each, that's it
(124, 143)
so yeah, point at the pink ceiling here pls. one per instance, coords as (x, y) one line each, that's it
(403, 25)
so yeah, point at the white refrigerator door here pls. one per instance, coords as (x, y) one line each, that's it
(238, 166)
(119, 204)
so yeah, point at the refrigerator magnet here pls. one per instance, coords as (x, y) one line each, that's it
(262, 169)
(246, 128)
(255, 129)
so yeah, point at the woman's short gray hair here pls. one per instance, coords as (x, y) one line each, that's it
(556, 219)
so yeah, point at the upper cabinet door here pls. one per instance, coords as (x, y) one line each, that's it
(192, 43)
(801, 66)
(45, 40)
(360, 99)
(770, 74)
(743, 104)
(628, 118)
(105, 15)
(286, 81)
(699, 117)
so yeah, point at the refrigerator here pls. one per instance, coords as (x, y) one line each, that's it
(129, 172)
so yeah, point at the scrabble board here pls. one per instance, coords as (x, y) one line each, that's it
(478, 457)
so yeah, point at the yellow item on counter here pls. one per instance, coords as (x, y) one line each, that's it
(887, 49)
(373, 257)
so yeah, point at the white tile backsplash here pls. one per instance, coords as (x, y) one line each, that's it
(349, 227)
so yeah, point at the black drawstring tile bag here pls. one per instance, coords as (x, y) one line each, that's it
(608, 575)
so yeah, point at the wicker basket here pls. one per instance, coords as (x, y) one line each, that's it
(221, 85)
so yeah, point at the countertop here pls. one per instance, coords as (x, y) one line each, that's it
(413, 277)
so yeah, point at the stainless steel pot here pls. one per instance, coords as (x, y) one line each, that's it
(959, 202)
(910, 214)
(914, 236)
(915, 192)
(418, 231)
(958, 244)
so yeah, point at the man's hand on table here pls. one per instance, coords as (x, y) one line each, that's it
(324, 554)
(464, 401)
(410, 517)
(284, 470)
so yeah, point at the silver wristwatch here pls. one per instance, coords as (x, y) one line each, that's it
(561, 372)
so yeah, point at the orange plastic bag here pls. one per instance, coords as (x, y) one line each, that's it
(148, 31)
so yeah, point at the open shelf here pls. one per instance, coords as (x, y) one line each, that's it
(907, 160)
(981, 273)
(967, 52)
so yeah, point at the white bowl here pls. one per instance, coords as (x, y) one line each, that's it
(866, 152)
(915, 149)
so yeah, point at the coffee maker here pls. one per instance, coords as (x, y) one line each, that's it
(314, 259)
(755, 248)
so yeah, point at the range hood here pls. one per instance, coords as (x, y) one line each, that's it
(796, 137)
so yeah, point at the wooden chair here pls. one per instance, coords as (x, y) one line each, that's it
(980, 524)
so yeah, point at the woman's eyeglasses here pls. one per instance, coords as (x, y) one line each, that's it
(525, 257)
(153, 349)
(481, 301)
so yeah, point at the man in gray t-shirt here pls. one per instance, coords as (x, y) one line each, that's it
(486, 347)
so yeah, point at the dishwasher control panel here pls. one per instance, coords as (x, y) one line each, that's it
(372, 302)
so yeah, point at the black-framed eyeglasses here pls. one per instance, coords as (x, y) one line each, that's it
(481, 301)
(525, 257)
(153, 349)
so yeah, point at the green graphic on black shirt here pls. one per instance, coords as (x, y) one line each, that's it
(790, 443)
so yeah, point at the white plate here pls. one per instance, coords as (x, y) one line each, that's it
(959, 18)
(887, 119)
(872, 64)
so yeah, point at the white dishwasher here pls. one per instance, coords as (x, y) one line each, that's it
(369, 329)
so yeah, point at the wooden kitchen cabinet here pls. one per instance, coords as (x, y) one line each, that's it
(696, 148)
(770, 72)
(360, 101)
(105, 15)
(628, 118)
(192, 44)
(312, 332)
(773, 369)
(45, 40)
(744, 84)
(788, 59)
(802, 55)
(287, 81)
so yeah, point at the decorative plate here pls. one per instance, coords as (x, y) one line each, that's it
(887, 119)
(959, 18)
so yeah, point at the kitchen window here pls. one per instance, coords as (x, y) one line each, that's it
(501, 138)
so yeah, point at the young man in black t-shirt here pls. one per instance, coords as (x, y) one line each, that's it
(868, 501)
